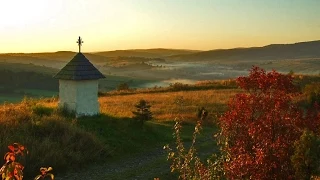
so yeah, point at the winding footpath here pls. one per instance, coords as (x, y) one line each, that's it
(114, 170)
(143, 166)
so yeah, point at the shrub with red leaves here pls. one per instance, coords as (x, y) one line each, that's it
(261, 126)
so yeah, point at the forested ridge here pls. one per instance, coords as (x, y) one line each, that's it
(10, 81)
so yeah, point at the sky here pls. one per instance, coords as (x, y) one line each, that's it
(54, 25)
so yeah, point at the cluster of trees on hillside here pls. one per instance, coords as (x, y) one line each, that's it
(30, 67)
(10, 81)
(134, 58)
(131, 60)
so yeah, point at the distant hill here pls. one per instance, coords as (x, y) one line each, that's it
(301, 50)
(148, 53)
(61, 57)
(66, 56)
(50, 59)
(20, 67)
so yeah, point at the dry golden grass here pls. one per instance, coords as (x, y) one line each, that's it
(167, 106)
(50, 137)
(60, 141)
(164, 106)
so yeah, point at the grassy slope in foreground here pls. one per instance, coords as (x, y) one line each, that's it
(60, 141)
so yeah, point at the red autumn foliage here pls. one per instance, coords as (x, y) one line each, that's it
(261, 126)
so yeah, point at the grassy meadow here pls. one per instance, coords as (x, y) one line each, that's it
(62, 141)
(68, 144)
(168, 106)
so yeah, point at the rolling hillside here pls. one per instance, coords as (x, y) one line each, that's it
(147, 53)
(152, 67)
(54, 59)
(60, 58)
(301, 50)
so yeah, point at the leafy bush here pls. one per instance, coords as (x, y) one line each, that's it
(13, 168)
(306, 158)
(260, 127)
(312, 93)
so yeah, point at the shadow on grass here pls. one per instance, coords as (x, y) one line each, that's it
(67, 143)
(52, 139)
(123, 135)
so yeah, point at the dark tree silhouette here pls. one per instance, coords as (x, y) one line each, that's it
(142, 112)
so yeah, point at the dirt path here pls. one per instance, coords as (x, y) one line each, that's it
(141, 166)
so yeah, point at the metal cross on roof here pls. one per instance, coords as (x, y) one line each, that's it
(79, 43)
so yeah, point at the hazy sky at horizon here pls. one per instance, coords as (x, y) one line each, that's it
(54, 25)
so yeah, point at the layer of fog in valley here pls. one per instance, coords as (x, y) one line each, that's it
(162, 74)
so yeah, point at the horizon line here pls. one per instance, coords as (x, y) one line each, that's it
(159, 48)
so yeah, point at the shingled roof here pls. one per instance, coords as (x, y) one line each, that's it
(79, 68)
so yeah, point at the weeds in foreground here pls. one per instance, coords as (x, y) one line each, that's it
(13, 169)
(44, 173)
(186, 161)
(53, 139)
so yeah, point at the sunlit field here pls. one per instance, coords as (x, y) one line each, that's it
(110, 133)
(167, 106)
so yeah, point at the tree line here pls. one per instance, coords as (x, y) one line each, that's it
(10, 81)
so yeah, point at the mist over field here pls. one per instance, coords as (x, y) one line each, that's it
(149, 68)
(162, 89)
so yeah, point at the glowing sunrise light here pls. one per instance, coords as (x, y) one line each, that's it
(134, 24)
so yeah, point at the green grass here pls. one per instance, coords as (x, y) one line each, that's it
(52, 139)
(123, 137)
(131, 144)
(69, 144)
(159, 167)
(66, 143)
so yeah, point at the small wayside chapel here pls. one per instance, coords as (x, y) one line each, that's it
(78, 85)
